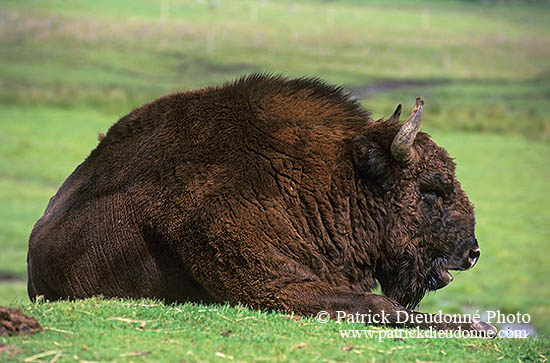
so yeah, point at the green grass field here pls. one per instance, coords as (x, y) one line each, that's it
(71, 69)
(123, 330)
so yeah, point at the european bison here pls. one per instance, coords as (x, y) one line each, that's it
(280, 194)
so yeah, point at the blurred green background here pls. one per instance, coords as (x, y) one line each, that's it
(71, 68)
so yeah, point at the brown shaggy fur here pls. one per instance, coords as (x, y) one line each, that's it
(281, 194)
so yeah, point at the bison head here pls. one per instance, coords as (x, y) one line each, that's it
(427, 219)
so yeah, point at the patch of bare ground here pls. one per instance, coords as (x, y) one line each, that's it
(7, 277)
(394, 84)
(14, 322)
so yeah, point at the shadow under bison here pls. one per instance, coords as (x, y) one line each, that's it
(276, 193)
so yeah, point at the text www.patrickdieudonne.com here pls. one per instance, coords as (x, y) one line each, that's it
(417, 333)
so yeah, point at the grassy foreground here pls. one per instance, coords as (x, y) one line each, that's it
(125, 330)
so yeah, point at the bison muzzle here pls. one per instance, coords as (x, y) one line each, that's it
(279, 194)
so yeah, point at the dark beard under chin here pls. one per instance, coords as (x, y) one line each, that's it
(409, 296)
(411, 299)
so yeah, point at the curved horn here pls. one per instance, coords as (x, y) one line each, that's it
(401, 147)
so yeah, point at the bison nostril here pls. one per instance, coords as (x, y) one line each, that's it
(474, 253)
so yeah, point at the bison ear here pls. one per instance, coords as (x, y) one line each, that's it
(370, 160)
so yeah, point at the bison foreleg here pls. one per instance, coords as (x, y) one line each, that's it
(317, 298)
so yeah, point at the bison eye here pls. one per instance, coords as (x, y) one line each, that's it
(431, 197)
(434, 190)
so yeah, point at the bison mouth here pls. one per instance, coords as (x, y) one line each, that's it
(409, 293)
(442, 277)
(438, 277)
